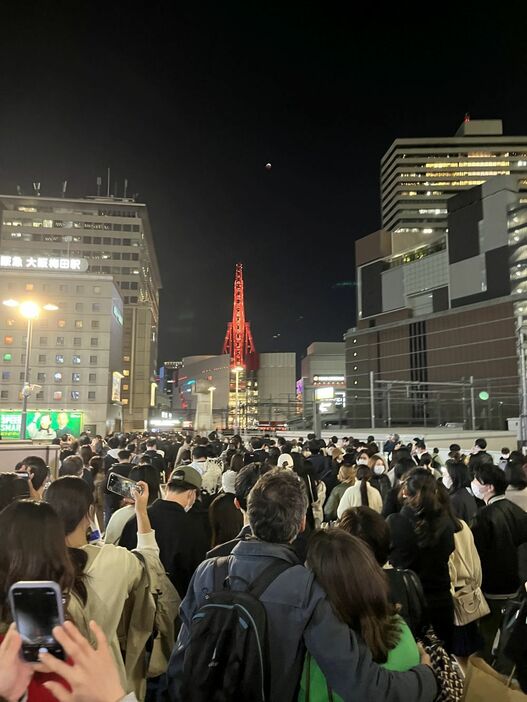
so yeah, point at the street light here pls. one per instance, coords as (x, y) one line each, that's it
(211, 390)
(237, 370)
(30, 310)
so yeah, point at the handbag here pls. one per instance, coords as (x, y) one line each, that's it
(483, 683)
(449, 678)
(469, 605)
(469, 602)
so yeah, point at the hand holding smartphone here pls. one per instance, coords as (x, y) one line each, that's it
(36, 608)
(122, 486)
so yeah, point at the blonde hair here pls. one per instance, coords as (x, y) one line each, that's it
(347, 474)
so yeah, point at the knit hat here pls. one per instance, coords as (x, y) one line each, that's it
(227, 481)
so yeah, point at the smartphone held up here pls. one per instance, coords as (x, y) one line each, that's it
(122, 486)
(36, 608)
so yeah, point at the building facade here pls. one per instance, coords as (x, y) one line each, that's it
(438, 330)
(115, 237)
(76, 352)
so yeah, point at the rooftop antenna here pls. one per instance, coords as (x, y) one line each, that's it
(125, 187)
(64, 186)
(36, 188)
(108, 186)
(99, 183)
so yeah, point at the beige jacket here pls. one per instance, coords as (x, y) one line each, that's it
(115, 580)
(464, 563)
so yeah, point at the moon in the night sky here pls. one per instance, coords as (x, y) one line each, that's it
(268, 166)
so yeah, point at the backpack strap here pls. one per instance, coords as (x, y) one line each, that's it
(269, 574)
(221, 572)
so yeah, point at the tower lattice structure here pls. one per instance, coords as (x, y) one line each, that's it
(239, 343)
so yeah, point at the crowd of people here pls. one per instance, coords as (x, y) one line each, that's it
(265, 569)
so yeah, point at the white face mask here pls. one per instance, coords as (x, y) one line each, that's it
(378, 470)
(362, 462)
(477, 489)
(447, 480)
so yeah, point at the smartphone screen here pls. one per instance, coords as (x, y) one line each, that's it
(36, 610)
(123, 486)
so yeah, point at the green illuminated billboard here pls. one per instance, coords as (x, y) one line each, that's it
(41, 424)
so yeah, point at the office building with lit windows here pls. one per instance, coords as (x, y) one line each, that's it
(441, 289)
(114, 236)
(76, 351)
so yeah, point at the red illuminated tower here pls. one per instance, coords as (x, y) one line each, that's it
(239, 342)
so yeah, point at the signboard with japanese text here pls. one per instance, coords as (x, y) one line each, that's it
(43, 263)
(41, 425)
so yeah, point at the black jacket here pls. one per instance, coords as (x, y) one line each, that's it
(499, 529)
(157, 460)
(383, 485)
(391, 504)
(181, 539)
(464, 505)
(429, 562)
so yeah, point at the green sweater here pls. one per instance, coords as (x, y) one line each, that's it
(401, 658)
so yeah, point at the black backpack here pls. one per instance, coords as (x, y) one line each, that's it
(227, 656)
(406, 590)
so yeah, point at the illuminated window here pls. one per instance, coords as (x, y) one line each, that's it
(76, 360)
(126, 372)
(126, 359)
(75, 377)
(61, 323)
(57, 395)
(59, 358)
(30, 287)
(126, 387)
(60, 341)
(78, 324)
(11, 322)
(124, 400)
(75, 395)
(57, 377)
(8, 340)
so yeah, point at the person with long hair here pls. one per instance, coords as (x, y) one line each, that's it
(342, 564)
(346, 476)
(361, 493)
(113, 576)
(422, 540)
(24, 557)
(456, 480)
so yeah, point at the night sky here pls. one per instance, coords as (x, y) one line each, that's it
(190, 104)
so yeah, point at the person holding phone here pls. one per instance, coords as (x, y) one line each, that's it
(113, 576)
(45, 558)
(16, 674)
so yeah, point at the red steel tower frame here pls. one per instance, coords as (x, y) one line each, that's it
(239, 343)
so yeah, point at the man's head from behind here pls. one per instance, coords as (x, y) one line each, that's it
(183, 487)
(124, 456)
(256, 443)
(199, 453)
(37, 469)
(245, 480)
(480, 444)
(72, 465)
(277, 507)
(151, 444)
